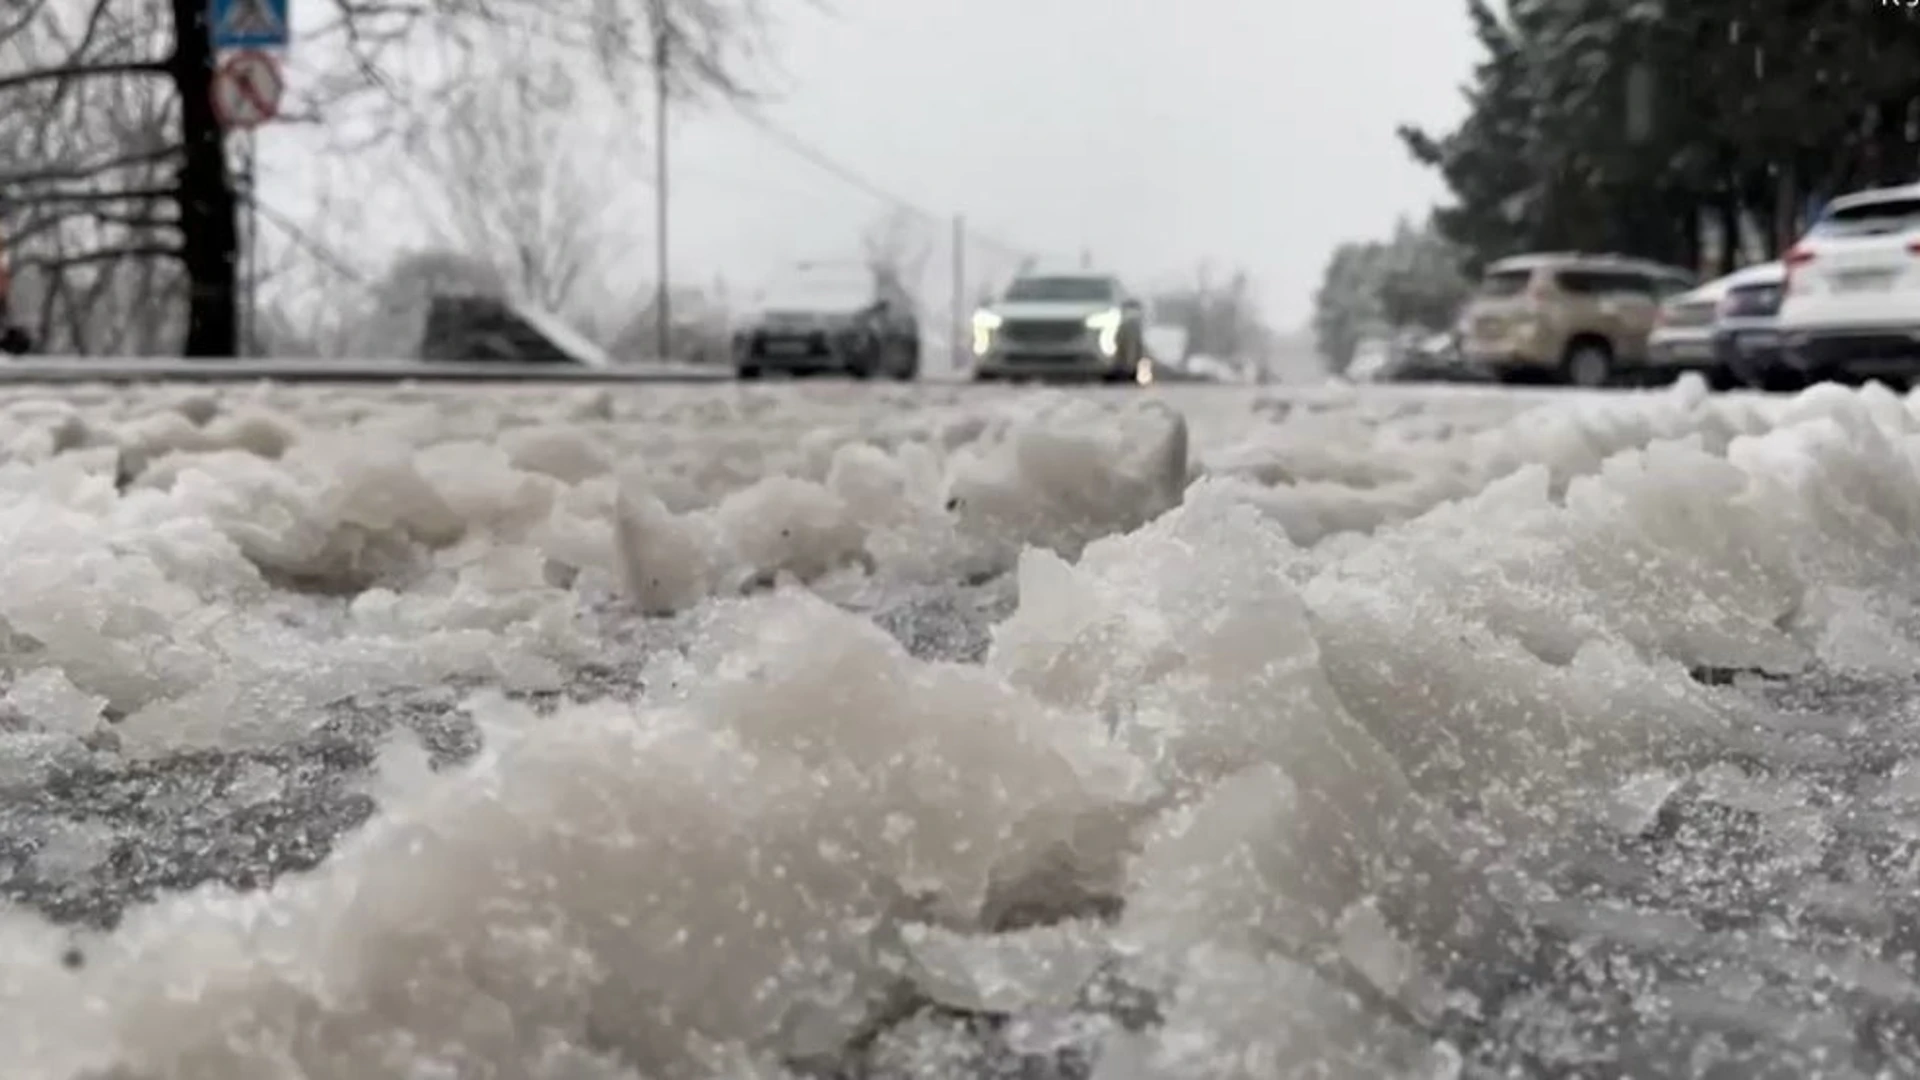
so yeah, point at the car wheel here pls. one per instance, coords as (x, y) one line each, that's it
(15, 342)
(899, 361)
(748, 374)
(1723, 378)
(865, 357)
(1588, 364)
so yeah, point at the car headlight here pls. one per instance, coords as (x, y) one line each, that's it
(1108, 322)
(984, 324)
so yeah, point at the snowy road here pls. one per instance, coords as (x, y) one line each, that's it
(675, 732)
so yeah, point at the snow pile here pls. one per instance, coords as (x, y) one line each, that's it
(1325, 474)
(1280, 780)
(538, 897)
(1056, 477)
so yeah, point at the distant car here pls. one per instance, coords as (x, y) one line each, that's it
(1373, 361)
(1572, 318)
(830, 319)
(1411, 356)
(14, 340)
(1851, 298)
(1062, 326)
(1682, 338)
(1685, 337)
(1746, 332)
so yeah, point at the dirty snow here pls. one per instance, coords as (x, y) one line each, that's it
(675, 733)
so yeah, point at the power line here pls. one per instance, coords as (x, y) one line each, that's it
(845, 174)
(313, 247)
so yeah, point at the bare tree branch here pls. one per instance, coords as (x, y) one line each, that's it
(57, 174)
(57, 198)
(80, 51)
(28, 15)
(55, 264)
(100, 70)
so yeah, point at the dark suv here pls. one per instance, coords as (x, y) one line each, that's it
(831, 318)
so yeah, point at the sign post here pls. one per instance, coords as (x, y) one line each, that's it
(247, 90)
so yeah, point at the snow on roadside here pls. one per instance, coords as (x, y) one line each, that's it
(1252, 710)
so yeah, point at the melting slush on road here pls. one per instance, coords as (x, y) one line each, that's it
(746, 734)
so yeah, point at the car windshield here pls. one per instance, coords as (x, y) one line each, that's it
(1871, 218)
(824, 289)
(1066, 290)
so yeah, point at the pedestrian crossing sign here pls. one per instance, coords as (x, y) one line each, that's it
(249, 24)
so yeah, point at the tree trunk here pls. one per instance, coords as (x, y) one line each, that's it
(1729, 214)
(1685, 222)
(209, 212)
(1890, 138)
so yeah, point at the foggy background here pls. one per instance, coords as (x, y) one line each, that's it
(1158, 138)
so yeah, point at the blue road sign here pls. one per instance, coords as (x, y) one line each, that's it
(249, 24)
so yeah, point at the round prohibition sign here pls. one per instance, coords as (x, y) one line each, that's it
(247, 90)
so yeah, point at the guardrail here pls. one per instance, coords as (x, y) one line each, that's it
(68, 370)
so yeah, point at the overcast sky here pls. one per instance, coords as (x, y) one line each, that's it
(1156, 134)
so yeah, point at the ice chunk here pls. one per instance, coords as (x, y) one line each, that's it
(1636, 804)
(1013, 972)
(985, 790)
(1250, 1019)
(787, 525)
(49, 699)
(565, 453)
(668, 562)
(1069, 472)
(69, 850)
(28, 760)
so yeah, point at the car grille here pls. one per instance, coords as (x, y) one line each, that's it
(1689, 315)
(796, 343)
(1043, 331)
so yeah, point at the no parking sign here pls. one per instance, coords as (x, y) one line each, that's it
(247, 90)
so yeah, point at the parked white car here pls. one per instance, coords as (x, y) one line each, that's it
(1852, 294)
(1683, 336)
(1746, 331)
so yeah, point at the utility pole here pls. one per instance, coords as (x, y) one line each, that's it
(662, 300)
(962, 316)
(249, 313)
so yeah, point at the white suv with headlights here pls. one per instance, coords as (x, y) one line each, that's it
(1062, 326)
(1852, 293)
